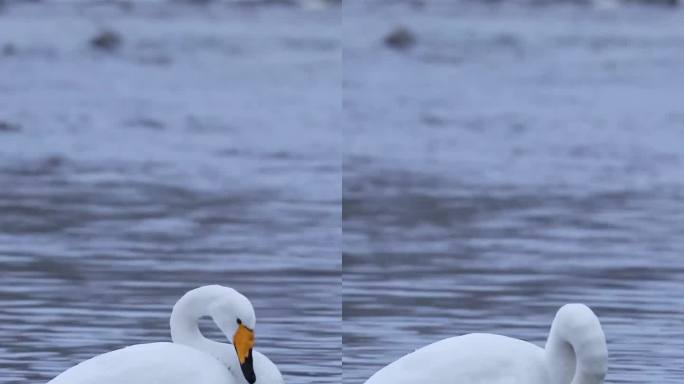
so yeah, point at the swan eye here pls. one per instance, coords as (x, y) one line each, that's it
(239, 322)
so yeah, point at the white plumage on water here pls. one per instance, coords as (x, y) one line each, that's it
(190, 358)
(575, 353)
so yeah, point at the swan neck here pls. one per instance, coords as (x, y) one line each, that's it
(561, 358)
(576, 350)
(185, 324)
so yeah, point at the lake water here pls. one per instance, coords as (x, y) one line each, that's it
(203, 148)
(512, 160)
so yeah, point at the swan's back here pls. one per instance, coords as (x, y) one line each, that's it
(155, 363)
(471, 359)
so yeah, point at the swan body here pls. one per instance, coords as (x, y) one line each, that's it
(190, 358)
(148, 364)
(575, 353)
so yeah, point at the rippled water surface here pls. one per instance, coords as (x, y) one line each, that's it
(512, 160)
(204, 148)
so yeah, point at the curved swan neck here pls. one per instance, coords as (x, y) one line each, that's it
(576, 348)
(185, 322)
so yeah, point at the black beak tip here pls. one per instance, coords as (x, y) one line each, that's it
(248, 369)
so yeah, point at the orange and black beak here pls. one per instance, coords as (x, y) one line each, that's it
(243, 341)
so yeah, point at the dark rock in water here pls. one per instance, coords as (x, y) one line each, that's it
(400, 38)
(7, 127)
(125, 5)
(671, 3)
(146, 122)
(195, 2)
(9, 49)
(418, 4)
(107, 40)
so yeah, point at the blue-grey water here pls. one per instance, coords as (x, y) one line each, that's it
(202, 148)
(511, 160)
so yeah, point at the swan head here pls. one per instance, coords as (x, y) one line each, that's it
(234, 316)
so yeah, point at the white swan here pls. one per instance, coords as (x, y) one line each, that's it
(575, 353)
(190, 358)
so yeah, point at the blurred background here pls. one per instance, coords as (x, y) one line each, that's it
(147, 148)
(504, 158)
